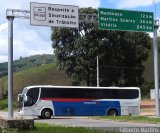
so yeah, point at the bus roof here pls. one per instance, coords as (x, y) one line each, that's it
(81, 87)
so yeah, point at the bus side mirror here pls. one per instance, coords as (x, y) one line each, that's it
(19, 97)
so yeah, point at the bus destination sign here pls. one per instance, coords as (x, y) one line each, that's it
(43, 14)
(122, 20)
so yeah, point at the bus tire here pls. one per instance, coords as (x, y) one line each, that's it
(112, 112)
(46, 113)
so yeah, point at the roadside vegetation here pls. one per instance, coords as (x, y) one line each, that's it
(141, 119)
(46, 128)
(4, 105)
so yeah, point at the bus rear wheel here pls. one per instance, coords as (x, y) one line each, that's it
(112, 112)
(46, 114)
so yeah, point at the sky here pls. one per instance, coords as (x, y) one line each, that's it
(31, 40)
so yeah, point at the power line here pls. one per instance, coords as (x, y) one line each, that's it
(118, 67)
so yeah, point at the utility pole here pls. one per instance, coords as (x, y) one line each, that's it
(97, 71)
(156, 77)
(10, 66)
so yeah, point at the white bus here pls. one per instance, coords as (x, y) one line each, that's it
(47, 101)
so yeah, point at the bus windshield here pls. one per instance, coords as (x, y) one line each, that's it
(31, 97)
(28, 97)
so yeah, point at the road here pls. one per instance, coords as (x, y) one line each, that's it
(108, 125)
(86, 122)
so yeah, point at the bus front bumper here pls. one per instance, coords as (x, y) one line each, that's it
(20, 112)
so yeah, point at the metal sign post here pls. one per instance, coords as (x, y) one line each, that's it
(10, 66)
(156, 77)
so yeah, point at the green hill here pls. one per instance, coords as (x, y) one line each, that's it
(46, 74)
(27, 62)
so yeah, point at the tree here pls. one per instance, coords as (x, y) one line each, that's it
(121, 54)
(124, 57)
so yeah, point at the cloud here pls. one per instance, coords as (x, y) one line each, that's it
(33, 42)
(3, 42)
(80, 3)
(30, 40)
(133, 3)
(3, 58)
(27, 41)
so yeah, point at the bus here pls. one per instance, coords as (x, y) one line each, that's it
(45, 101)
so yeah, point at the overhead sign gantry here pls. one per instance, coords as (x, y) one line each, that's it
(41, 14)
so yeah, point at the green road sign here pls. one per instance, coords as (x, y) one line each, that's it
(111, 19)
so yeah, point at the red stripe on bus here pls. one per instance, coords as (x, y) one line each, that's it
(68, 99)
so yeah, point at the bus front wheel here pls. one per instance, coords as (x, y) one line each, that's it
(46, 114)
(112, 112)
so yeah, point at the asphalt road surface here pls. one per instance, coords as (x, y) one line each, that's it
(88, 122)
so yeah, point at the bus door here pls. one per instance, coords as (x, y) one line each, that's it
(27, 109)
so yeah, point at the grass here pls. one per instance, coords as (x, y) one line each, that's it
(3, 104)
(141, 119)
(46, 128)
